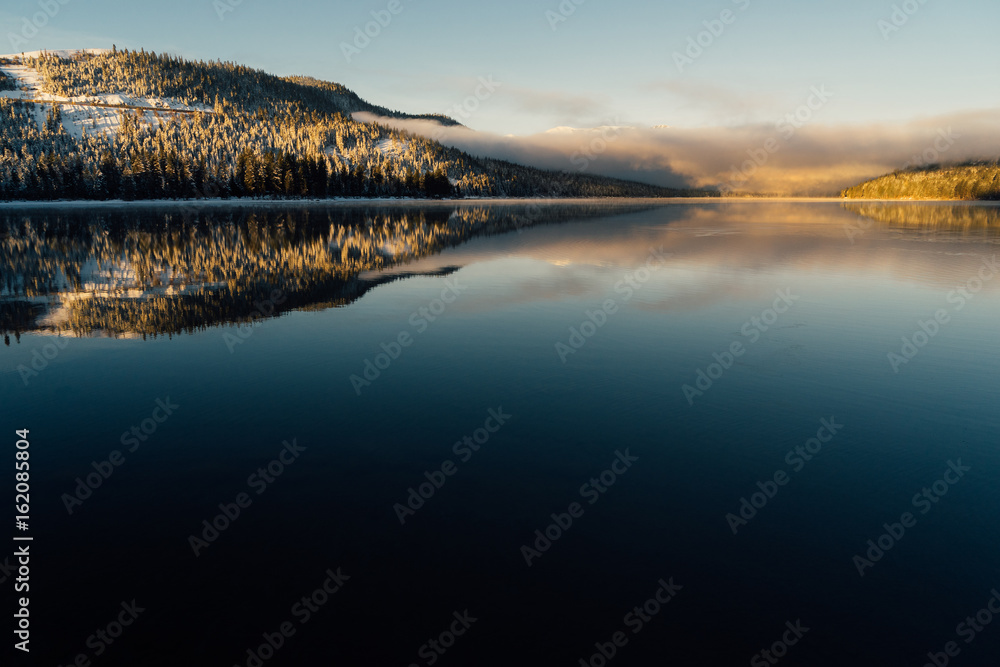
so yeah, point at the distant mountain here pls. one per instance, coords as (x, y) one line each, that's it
(972, 181)
(137, 125)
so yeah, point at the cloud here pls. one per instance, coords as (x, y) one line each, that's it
(571, 108)
(780, 158)
(719, 101)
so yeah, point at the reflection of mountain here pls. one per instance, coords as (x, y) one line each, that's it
(139, 273)
(958, 217)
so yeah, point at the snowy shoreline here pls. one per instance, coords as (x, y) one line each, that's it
(396, 201)
(332, 201)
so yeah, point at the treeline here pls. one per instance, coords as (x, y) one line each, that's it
(169, 175)
(265, 137)
(969, 181)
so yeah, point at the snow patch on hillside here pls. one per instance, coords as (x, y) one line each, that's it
(391, 147)
(79, 113)
(337, 155)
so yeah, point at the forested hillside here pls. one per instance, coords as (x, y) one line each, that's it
(257, 135)
(977, 181)
(199, 83)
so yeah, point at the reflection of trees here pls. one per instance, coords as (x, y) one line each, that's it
(16, 316)
(147, 273)
(972, 220)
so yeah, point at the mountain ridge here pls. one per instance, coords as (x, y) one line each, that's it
(176, 128)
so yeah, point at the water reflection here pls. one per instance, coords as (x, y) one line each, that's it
(977, 219)
(866, 276)
(139, 273)
(135, 273)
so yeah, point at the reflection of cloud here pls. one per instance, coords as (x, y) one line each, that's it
(817, 160)
(720, 252)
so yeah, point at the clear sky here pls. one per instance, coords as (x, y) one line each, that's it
(606, 63)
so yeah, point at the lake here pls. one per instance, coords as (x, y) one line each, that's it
(539, 433)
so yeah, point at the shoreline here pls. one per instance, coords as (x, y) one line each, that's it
(395, 201)
(332, 201)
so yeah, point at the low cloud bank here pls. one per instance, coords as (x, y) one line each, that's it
(791, 157)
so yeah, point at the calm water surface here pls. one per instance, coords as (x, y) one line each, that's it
(713, 396)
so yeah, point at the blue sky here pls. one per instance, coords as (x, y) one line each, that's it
(608, 62)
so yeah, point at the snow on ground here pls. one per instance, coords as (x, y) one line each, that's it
(93, 120)
(391, 147)
(28, 81)
(79, 112)
(337, 155)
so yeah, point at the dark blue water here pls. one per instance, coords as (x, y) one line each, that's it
(749, 375)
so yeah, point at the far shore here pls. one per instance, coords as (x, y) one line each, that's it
(395, 201)
(332, 201)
